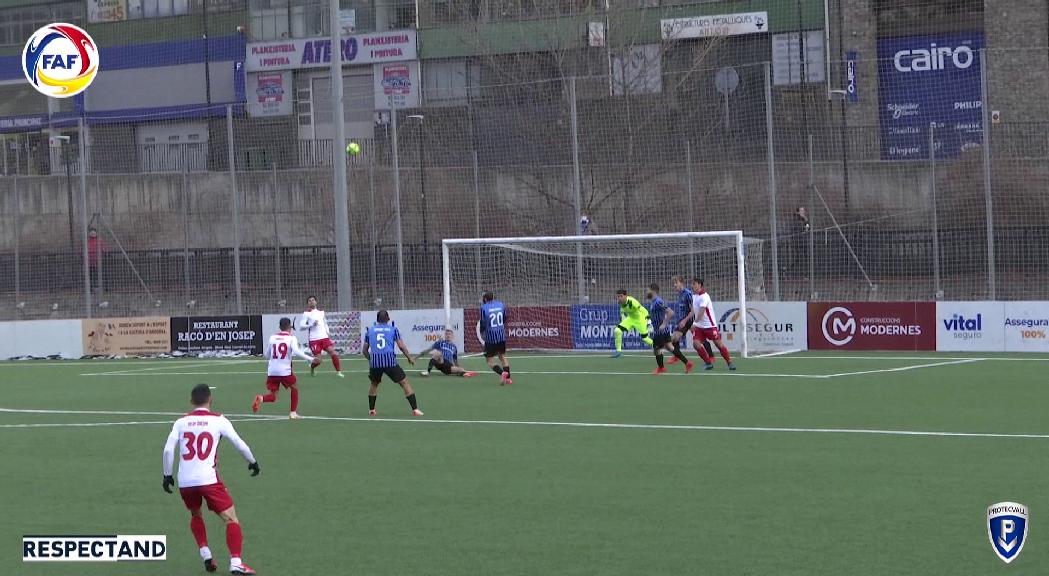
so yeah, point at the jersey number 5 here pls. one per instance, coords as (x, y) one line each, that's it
(281, 349)
(380, 341)
(198, 446)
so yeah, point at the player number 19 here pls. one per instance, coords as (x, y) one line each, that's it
(279, 351)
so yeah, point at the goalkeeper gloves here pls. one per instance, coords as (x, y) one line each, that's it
(168, 483)
(254, 467)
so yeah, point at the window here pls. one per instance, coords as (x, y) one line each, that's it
(17, 24)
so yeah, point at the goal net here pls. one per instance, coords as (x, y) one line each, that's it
(561, 291)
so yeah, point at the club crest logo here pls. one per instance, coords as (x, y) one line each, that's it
(1007, 529)
(60, 60)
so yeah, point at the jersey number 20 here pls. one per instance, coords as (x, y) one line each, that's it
(198, 446)
(495, 319)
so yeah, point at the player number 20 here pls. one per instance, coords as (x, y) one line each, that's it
(198, 446)
(495, 319)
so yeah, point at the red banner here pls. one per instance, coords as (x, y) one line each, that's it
(872, 325)
(526, 327)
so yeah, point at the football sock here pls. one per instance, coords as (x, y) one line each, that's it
(680, 355)
(659, 360)
(200, 532)
(271, 397)
(619, 338)
(412, 402)
(707, 358)
(335, 362)
(497, 369)
(371, 402)
(294, 398)
(234, 539)
(724, 353)
(706, 346)
(507, 370)
(205, 553)
(432, 364)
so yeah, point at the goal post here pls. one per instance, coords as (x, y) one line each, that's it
(568, 283)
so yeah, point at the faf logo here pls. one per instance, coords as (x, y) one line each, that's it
(1007, 529)
(60, 60)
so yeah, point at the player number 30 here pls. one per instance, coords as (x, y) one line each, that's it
(198, 446)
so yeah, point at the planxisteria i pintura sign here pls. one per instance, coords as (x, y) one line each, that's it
(292, 54)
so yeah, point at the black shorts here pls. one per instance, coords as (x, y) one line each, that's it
(494, 349)
(660, 340)
(683, 331)
(444, 367)
(396, 374)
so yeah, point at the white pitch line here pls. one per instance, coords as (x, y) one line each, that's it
(99, 424)
(613, 425)
(552, 373)
(774, 354)
(997, 358)
(113, 413)
(905, 368)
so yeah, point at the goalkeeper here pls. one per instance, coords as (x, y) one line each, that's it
(632, 316)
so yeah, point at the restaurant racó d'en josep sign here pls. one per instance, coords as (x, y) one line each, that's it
(391, 46)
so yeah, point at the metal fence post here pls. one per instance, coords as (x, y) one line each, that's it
(186, 198)
(18, 241)
(477, 216)
(371, 224)
(343, 268)
(810, 236)
(577, 189)
(988, 205)
(235, 204)
(276, 233)
(82, 151)
(691, 210)
(937, 290)
(772, 181)
(397, 205)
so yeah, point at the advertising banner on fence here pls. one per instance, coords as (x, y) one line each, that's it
(295, 53)
(923, 80)
(1026, 326)
(771, 326)
(127, 336)
(970, 326)
(593, 328)
(526, 328)
(872, 326)
(217, 334)
(419, 328)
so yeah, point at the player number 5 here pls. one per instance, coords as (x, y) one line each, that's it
(380, 341)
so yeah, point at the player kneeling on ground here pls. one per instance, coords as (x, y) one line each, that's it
(197, 435)
(282, 346)
(379, 349)
(444, 356)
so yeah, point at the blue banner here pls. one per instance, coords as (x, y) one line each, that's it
(930, 81)
(593, 326)
(852, 89)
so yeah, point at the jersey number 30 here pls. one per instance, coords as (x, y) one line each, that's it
(198, 446)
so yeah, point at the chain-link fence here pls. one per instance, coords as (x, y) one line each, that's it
(851, 197)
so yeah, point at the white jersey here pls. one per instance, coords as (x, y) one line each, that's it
(282, 347)
(198, 434)
(703, 311)
(315, 323)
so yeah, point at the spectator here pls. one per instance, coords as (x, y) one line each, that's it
(96, 249)
(799, 240)
(586, 225)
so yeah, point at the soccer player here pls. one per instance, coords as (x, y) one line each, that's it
(198, 434)
(687, 315)
(632, 315)
(444, 356)
(382, 359)
(282, 346)
(493, 324)
(316, 325)
(662, 317)
(706, 328)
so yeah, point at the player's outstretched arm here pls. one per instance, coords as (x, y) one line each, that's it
(169, 457)
(366, 350)
(407, 354)
(298, 351)
(241, 446)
